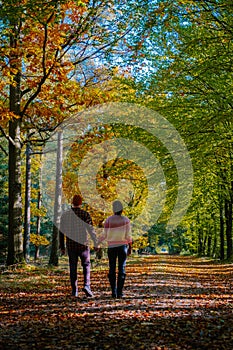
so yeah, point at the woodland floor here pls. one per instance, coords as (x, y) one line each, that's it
(170, 303)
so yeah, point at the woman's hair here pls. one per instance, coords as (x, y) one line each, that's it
(117, 207)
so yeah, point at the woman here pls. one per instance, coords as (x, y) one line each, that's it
(117, 233)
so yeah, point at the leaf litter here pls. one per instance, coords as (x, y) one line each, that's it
(170, 302)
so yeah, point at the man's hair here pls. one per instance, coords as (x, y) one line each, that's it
(117, 207)
(77, 200)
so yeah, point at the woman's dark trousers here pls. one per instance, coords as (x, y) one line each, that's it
(117, 253)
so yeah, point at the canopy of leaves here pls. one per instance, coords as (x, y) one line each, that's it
(192, 87)
(57, 48)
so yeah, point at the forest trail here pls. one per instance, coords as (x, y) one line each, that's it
(170, 302)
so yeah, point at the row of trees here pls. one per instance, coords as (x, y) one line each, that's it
(176, 57)
(194, 89)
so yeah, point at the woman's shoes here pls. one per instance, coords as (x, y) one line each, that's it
(87, 291)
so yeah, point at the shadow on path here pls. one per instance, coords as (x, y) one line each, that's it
(169, 303)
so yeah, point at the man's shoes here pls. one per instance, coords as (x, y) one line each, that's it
(88, 291)
(75, 289)
(74, 293)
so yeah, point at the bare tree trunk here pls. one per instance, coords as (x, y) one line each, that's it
(57, 202)
(37, 252)
(27, 214)
(15, 237)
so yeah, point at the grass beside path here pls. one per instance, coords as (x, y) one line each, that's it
(170, 303)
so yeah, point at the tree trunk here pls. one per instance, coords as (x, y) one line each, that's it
(15, 237)
(228, 216)
(204, 245)
(199, 238)
(214, 249)
(209, 241)
(222, 253)
(38, 219)
(37, 252)
(57, 202)
(27, 214)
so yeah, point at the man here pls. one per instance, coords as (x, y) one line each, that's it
(75, 225)
(117, 233)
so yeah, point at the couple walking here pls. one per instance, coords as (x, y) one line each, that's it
(76, 224)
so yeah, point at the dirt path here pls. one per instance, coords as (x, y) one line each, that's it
(170, 303)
